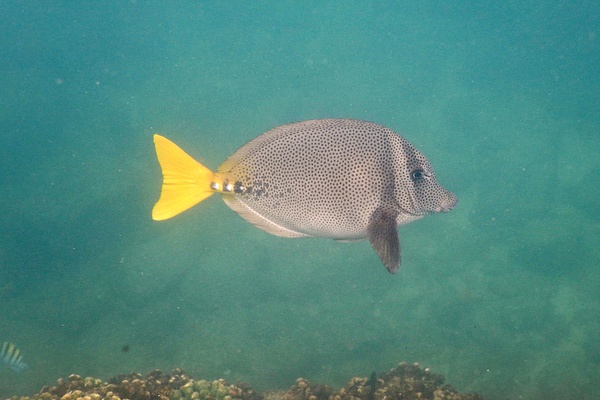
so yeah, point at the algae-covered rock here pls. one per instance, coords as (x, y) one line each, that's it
(403, 382)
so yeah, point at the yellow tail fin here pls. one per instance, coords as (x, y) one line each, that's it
(186, 182)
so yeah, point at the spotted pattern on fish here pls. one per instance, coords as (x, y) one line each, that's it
(327, 178)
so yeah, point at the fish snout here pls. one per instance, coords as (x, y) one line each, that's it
(448, 204)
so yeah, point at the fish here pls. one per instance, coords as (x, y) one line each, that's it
(344, 179)
(12, 357)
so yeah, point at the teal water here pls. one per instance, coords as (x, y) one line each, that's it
(501, 295)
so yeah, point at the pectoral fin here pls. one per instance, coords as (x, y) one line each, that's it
(383, 235)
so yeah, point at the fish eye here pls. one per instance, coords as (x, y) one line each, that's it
(417, 175)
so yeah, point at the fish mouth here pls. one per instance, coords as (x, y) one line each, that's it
(448, 207)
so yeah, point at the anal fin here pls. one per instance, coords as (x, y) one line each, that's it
(383, 235)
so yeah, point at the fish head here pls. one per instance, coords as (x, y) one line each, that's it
(423, 195)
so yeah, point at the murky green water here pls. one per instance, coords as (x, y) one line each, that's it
(500, 295)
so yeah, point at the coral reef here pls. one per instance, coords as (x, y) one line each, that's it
(404, 382)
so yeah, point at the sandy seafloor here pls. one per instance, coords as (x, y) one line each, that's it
(501, 295)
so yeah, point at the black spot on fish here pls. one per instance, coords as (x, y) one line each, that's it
(238, 187)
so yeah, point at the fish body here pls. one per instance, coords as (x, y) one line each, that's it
(343, 179)
(11, 356)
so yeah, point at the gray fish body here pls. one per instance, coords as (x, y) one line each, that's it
(343, 179)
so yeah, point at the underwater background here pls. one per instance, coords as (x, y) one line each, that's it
(501, 295)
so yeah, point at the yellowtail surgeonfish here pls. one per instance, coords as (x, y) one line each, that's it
(343, 179)
(11, 356)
